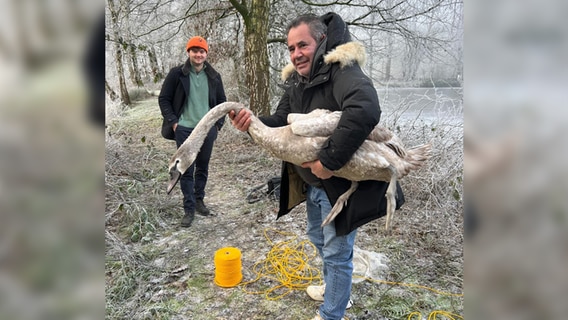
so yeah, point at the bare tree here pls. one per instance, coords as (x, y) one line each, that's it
(114, 14)
(408, 33)
(157, 74)
(133, 68)
(255, 14)
(113, 96)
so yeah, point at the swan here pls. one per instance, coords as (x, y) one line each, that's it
(381, 158)
(322, 122)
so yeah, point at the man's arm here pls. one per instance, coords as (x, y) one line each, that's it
(359, 102)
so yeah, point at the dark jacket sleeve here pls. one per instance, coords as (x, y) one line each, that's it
(166, 97)
(359, 104)
(280, 117)
(220, 98)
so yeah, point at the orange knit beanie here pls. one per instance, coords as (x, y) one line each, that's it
(198, 42)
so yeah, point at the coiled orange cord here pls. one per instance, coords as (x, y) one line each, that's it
(286, 267)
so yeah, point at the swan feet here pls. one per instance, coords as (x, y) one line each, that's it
(340, 203)
(391, 198)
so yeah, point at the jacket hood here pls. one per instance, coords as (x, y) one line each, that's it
(344, 54)
(337, 31)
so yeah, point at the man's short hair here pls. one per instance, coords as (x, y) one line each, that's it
(317, 28)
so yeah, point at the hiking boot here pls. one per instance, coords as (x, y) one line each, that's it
(201, 208)
(316, 293)
(187, 219)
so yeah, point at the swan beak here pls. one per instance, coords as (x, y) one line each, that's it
(175, 175)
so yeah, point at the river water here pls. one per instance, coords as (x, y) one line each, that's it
(428, 105)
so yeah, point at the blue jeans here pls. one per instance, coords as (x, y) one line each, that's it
(336, 253)
(194, 179)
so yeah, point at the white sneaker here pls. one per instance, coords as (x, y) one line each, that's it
(316, 293)
(318, 317)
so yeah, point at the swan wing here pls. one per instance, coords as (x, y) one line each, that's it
(318, 123)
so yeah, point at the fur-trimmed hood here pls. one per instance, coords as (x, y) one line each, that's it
(345, 54)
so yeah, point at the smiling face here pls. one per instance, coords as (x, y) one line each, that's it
(197, 56)
(302, 48)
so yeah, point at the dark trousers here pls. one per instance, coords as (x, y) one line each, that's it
(194, 179)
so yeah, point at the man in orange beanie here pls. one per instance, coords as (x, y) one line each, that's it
(197, 42)
(187, 94)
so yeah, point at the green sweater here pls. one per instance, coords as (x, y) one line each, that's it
(198, 100)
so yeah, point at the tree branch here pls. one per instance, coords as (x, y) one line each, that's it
(242, 10)
(343, 3)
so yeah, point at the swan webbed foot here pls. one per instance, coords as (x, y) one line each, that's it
(175, 175)
(340, 203)
(333, 212)
(391, 198)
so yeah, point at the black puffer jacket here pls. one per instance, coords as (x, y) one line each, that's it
(336, 83)
(175, 90)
